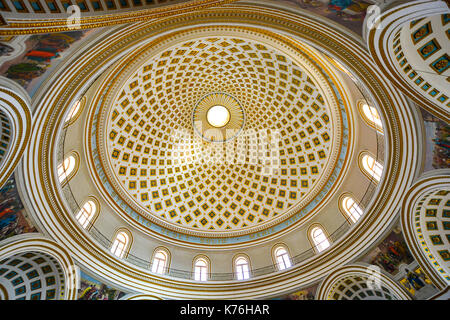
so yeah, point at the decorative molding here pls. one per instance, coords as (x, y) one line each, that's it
(400, 161)
(15, 105)
(379, 280)
(380, 40)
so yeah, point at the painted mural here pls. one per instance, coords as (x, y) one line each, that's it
(437, 142)
(304, 294)
(13, 219)
(42, 54)
(415, 281)
(391, 253)
(5, 50)
(349, 13)
(92, 289)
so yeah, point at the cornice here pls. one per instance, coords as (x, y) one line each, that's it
(17, 26)
(400, 165)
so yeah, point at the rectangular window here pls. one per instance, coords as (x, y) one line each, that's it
(4, 6)
(96, 5)
(36, 6)
(83, 6)
(66, 4)
(20, 6)
(53, 6)
(124, 3)
(110, 4)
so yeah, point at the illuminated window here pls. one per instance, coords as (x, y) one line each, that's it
(66, 169)
(370, 115)
(160, 260)
(319, 239)
(120, 244)
(351, 208)
(86, 213)
(242, 268)
(282, 258)
(372, 167)
(74, 111)
(201, 269)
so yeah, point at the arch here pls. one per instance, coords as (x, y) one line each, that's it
(350, 208)
(133, 296)
(424, 222)
(68, 167)
(370, 115)
(15, 126)
(75, 111)
(370, 166)
(318, 237)
(88, 213)
(241, 266)
(121, 244)
(384, 40)
(201, 268)
(281, 256)
(360, 282)
(160, 260)
(23, 243)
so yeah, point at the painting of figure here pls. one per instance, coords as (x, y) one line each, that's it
(43, 52)
(417, 283)
(13, 219)
(5, 50)
(437, 142)
(349, 13)
(391, 253)
(92, 289)
(304, 294)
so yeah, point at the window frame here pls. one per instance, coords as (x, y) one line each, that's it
(237, 270)
(73, 172)
(365, 171)
(166, 265)
(127, 246)
(70, 120)
(277, 247)
(93, 217)
(342, 208)
(371, 123)
(208, 268)
(311, 238)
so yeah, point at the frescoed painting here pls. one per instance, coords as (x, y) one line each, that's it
(42, 55)
(437, 142)
(92, 289)
(13, 219)
(417, 283)
(391, 253)
(305, 294)
(349, 13)
(5, 50)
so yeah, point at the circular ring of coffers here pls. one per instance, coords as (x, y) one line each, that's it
(402, 145)
(111, 150)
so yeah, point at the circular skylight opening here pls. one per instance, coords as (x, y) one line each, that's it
(218, 116)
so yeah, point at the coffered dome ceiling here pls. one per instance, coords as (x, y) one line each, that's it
(273, 157)
(147, 154)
